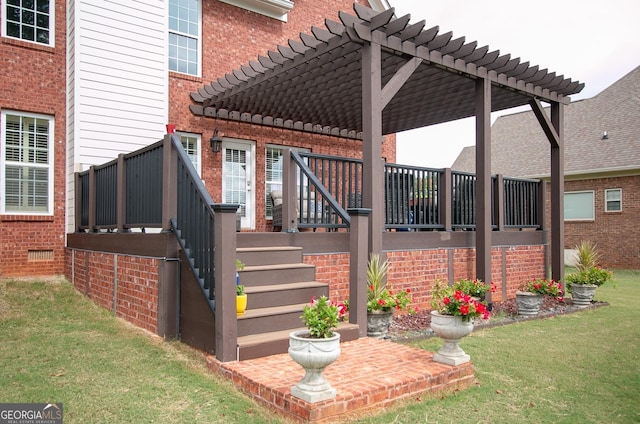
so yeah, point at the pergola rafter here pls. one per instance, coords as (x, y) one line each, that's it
(374, 74)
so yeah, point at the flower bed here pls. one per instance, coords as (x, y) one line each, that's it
(416, 326)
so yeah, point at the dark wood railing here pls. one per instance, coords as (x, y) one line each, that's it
(328, 185)
(154, 187)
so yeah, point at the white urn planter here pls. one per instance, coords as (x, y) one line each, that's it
(378, 323)
(313, 355)
(451, 329)
(528, 303)
(582, 294)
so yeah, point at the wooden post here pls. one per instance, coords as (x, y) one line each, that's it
(225, 279)
(483, 180)
(121, 195)
(169, 183)
(359, 249)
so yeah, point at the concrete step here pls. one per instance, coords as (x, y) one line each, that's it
(252, 256)
(283, 294)
(276, 342)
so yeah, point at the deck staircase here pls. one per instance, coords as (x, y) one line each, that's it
(278, 285)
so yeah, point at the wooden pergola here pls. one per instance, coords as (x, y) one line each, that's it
(374, 74)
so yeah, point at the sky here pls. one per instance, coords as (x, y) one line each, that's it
(590, 41)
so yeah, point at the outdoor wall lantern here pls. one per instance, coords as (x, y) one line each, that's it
(215, 142)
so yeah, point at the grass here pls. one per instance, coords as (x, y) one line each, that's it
(56, 346)
(576, 368)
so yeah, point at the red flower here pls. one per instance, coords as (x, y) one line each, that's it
(458, 295)
(464, 309)
(446, 300)
(381, 302)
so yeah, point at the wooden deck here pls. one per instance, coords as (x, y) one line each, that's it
(369, 375)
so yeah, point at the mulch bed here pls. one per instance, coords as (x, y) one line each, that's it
(417, 326)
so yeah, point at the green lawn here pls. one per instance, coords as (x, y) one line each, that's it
(56, 346)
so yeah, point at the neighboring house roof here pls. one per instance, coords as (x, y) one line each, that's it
(519, 147)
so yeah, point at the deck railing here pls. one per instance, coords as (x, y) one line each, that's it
(154, 187)
(328, 185)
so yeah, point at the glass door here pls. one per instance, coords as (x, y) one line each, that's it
(238, 179)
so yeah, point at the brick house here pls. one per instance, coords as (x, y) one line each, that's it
(90, 91)
(602, 167)
(116, 81)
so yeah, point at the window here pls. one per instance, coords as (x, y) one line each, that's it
(578, 205)
(26, 164)
(191, 144)
(184, 36)
(29, 20)
(273, 177)
(613, 200)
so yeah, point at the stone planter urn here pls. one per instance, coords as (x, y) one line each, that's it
(313, 355)
(378, 323)
(528, 303)
(451, 329)
(582, 294)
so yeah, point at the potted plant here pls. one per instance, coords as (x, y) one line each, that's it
(453, 311)
(382, 301)
(241, 296)
(475, 288)
(588, 276)
(316, 348)
(531, 294)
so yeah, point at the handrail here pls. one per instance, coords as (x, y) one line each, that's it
(325, 196)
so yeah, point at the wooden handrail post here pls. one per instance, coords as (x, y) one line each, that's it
(169, 183)
(92, 199)
(224, 261)
(444, 201)
(289, 193)
(359, 250)
(498, 201)
(121, 195)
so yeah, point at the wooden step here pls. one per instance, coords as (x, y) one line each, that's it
(282, 294)
(276, 342)
(264, 320)
(252, 256)
(260, 275)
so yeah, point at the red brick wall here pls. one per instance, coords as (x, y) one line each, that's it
(418, 270)
(136, 284)
(33, 80)
(617, 234)
(237, 36)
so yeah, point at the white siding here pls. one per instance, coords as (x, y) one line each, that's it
(117, 81)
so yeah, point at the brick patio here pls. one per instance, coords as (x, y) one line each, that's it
(369, 375)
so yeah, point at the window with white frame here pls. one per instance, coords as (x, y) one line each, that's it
(191, 144)
(579, 205)
(613, 200)
(26, 164)
(273, 174)
(29, 20)
(184, 36)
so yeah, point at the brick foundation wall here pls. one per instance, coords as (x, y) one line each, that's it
(134, 279)
(418, 270)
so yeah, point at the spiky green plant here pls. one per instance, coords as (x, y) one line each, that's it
(588, 255)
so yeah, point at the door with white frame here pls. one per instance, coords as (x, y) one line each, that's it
(238, 178)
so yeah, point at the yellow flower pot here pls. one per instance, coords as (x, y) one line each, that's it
(241, 304)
